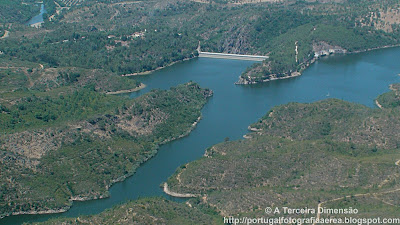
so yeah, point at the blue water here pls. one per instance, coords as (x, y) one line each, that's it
(38, 18)
(357, 78)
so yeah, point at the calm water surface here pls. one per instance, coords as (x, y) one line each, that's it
(357, 78)
(38, 18)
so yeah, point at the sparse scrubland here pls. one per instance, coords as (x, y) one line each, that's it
(55, 149)
(299, 155)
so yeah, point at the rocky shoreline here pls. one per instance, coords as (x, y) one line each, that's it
(243, 81)
(60, 210)
(378, 104)
(120, 179)
(271, 78)
(185, 134)
(140, 87)
(50, 211)
(175, 194)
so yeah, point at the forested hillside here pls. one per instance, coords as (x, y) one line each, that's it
(55, 149)
(17, 10)
(64, 136)
(133, 37)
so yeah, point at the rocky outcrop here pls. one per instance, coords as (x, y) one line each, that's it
(271, 77)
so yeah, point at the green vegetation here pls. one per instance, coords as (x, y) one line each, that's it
(80, 144)
(334, 32)
(118, 54)
(390, 99)
(300, 155)
(29, 79)
(30, 112)
(17, 10)
(134, 37)
(148, 211)
(333, 119)
(63, 138)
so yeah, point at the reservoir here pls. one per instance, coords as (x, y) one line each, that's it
(356, 78)
(38, 19)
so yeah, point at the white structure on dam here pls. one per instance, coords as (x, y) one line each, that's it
(232, 56)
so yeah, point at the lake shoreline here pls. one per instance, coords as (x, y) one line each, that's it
(378, 104)
(105, 194)
(56, 211)
(191, 148)
(37, 20)
(175, 194)
(140, 87)
(243, 81)
(156, 69)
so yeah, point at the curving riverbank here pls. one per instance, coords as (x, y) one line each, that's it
(175, 194)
